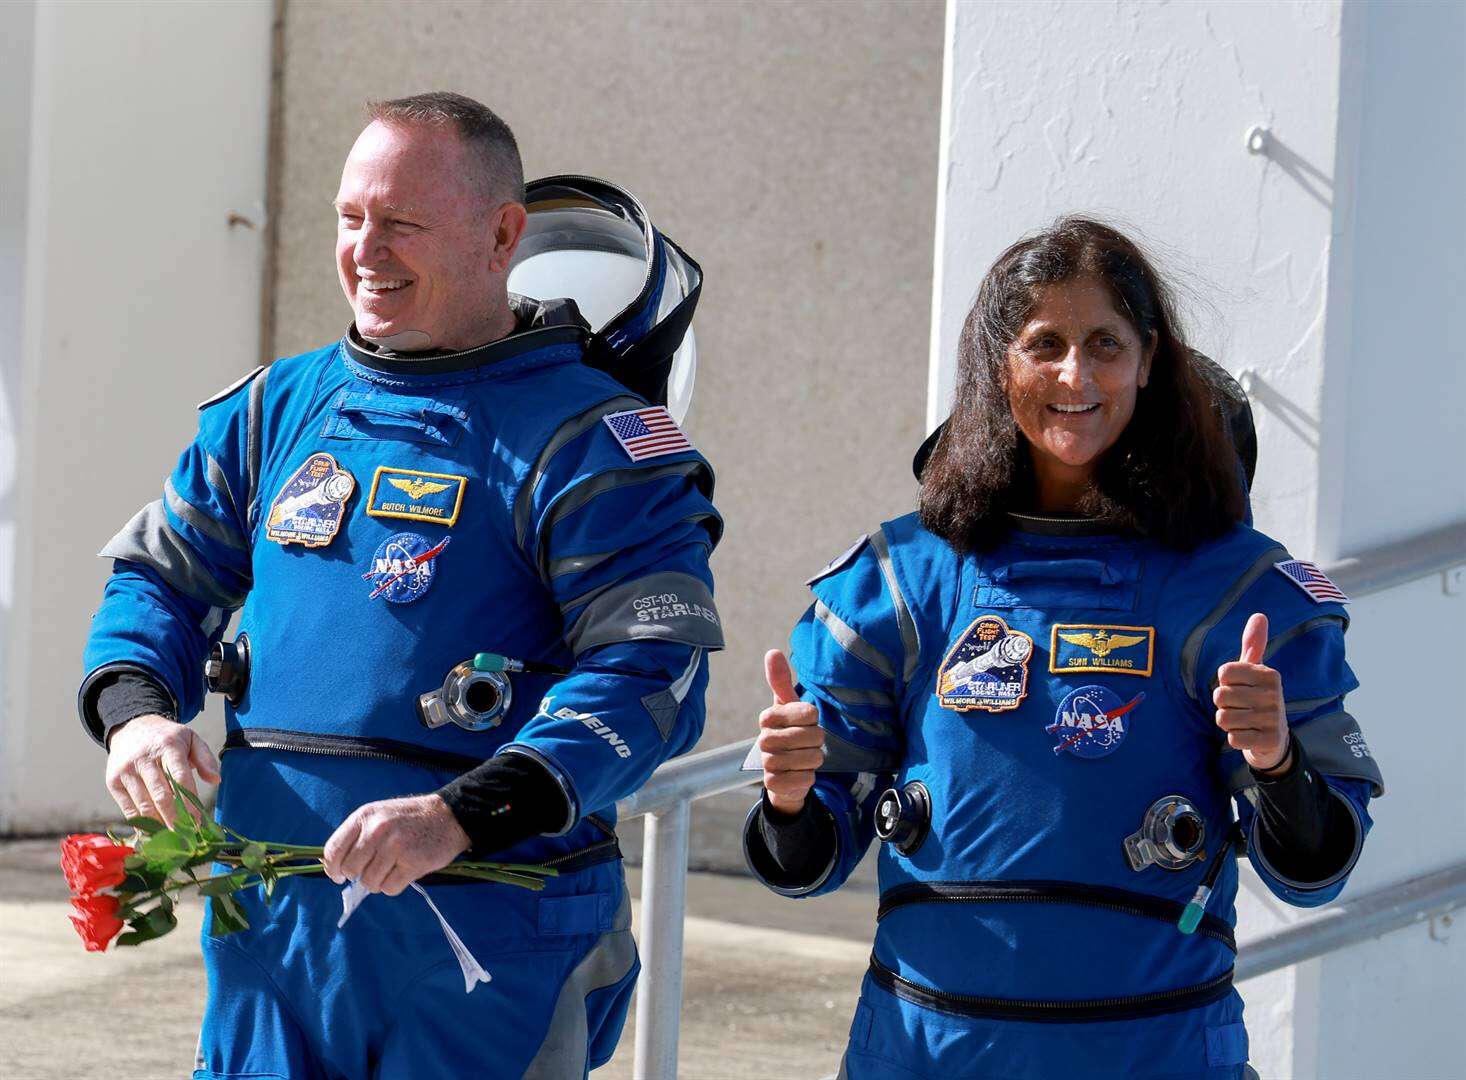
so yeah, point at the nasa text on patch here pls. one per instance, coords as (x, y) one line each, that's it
(986, 669)
(1092, 722)
(312, 502)
(417, 496)
(1116, 650)
(403, 567)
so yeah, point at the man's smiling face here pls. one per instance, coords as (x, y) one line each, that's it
(416, 243)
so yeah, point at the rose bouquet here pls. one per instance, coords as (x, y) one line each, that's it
(117, 884)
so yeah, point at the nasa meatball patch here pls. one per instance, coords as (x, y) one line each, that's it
(986, 669)
(310, 506)
(403, 567)
(1092, 722)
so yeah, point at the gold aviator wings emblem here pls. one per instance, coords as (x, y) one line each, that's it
(417, 487)
(1102, 644)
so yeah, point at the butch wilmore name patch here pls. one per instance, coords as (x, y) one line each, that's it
(417, 496)
(1119, 650)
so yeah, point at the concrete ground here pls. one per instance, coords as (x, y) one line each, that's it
(759, 987)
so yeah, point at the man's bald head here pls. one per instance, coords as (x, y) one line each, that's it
(490, 145)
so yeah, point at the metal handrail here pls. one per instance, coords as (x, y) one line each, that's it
(666, 802)
(1348, 922)
(1400, 562)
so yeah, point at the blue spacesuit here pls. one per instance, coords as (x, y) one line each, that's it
(1039, 707)
(380, 521)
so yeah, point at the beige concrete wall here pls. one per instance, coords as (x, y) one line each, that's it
(790, 148)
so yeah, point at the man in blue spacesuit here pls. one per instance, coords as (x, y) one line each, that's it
(449, 479)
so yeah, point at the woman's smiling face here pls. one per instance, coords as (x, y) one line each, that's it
(1074, 370)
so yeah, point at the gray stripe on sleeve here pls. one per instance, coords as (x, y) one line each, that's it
(664, 606)
(1191, 651)
(219, 481)
(253, 434)
(149, 539)
(567, 1041)
(850, 695)
(569, 431)
(201, 521)
(852, 642)
(842, 755)
(910, 639)
(599, 484)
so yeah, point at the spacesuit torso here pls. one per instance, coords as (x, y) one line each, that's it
(1044, 696)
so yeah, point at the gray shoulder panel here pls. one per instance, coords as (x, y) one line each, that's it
(840, 561)
(230, 389)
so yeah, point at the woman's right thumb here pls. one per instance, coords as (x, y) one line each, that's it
(780, 677)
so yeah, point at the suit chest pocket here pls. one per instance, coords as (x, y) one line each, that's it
(1109, 581)
(377, 414)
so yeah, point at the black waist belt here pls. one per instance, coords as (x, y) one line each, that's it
(1051, 892)
(1130, 1007)
(350, 746)
(602, 851)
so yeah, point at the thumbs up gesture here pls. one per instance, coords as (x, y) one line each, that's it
(1249, 701)
(790, 741)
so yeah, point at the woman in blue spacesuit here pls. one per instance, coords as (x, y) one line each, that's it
(1045, 693)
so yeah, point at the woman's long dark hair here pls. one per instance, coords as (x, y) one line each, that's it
(1173, 475)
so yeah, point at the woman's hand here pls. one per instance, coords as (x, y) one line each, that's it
(790, 741)
(1249, 701)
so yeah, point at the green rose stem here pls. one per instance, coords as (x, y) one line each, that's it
(162, 865)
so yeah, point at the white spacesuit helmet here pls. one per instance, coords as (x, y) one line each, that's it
(593, 242)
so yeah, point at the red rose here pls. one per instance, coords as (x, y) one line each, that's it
(92, 862)
(96, 920)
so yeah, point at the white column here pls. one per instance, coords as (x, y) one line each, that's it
(1330, 268)
(139, 127)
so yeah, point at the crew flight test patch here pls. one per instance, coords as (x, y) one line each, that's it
(416, 496)
(311, 504)
(987, 669)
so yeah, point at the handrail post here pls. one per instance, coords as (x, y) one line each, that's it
(663, 905)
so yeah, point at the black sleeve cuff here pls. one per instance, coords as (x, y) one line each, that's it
(791, 853)
(505, 801)
(114, 695)
(1304, 831)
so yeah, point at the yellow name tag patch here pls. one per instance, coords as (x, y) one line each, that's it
(1119, 650)
(417, 496)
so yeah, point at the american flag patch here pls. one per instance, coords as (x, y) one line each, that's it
(1311, 580)
(647, 433)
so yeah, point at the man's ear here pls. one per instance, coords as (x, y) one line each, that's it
(506, 226)
(1146, 357)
